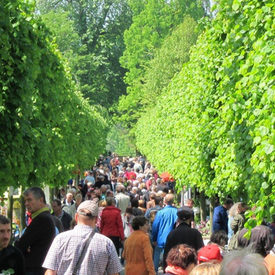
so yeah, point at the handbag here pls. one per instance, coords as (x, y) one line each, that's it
(83, 252)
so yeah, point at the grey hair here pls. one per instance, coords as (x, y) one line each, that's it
(110, 201)
(243, 262)
(37, 192)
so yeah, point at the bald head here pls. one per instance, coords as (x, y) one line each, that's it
(169, 198)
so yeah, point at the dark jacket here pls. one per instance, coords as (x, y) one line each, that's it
(220, 219)
(58, 224)
(11, 257)
(183, 234)
(36, 241)
(65, 220)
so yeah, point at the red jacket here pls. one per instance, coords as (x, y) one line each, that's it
(111, 222)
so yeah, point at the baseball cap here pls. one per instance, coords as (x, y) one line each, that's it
(209, 253)
(88, 208)
(185, 213)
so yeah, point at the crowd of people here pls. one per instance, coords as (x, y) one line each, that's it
(123, 214)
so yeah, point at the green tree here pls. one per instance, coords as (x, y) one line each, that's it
(120, 142)
(214, 127)
(48, 129)
(95, 59)
(152, 23)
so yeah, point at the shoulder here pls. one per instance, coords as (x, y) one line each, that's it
(67, 215)
(196, 232)
(102, 240)
(45, 219)
(12, 250)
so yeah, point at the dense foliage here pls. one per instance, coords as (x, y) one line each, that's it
(119, 141)
(214, 128)
(90, 35)
(153, 22)
(47, 128)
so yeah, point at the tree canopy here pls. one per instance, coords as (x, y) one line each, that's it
(47, 129)
(157, 43)
(214, 127)
(90, 35)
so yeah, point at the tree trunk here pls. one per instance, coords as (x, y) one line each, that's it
(52, 194)
(22, 213)
(212, 205)
(10, 203)
(202, 206)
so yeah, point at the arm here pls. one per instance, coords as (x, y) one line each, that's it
(33, 233)
(147, 252)
(166, 250)
(234, 224)
(101, 223)
(50, 272)
(155, 226)
(199, 240)
(120, 227)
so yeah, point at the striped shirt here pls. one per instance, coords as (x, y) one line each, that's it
(100, 258)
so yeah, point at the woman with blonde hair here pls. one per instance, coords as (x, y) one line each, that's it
(210, 268)
(237, 224)
(233, 211)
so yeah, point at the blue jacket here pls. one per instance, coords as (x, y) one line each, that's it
(220, 219)
(163, 224)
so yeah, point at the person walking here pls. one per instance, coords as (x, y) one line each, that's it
(39, 234)
(183, 233)
(220, 217)
(163, 224)
(10, 256)
(138, 250)
(63, 216)
(111, 223)
(82, 250)
(123, 201)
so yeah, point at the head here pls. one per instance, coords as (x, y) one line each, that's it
(210, 268)
(103, 189)
(219, 237)
(56, 206)
(169, 199)
(78, 198)
(183, 256)
(110, 201)
(109, 193)
(209, 253)
(228, 203)
(238, 207)
(87, 213)
(34, 199)
(69, 197)
(261, 240)
(5, 232)
(134, 203)
(141, 203)
(140, 223)
(185, 214)
(190, 203)
(158, 200)
(243, 262)
(129, 212)
(119, 188)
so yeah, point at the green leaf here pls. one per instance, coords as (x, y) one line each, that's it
(269, 149)
(265, 185)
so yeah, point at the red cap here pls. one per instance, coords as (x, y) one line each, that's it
(209, 253)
